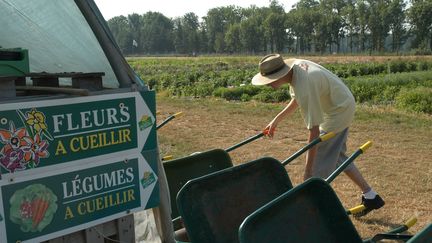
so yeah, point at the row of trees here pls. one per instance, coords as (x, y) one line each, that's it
(322, 26)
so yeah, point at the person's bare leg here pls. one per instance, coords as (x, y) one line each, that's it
(354, 174)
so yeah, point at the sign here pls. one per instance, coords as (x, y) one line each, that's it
(70, 164)
(43, 207)
(52, 132)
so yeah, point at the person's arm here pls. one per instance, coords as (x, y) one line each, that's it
(314, 132)
(288, 110)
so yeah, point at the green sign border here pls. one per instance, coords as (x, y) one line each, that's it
(47, 133)
(68, 213)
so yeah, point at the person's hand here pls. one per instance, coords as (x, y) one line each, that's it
(270, 129)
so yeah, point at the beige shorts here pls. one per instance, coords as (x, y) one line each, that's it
(331, 154)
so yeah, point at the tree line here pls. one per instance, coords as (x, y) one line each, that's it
(311, 26)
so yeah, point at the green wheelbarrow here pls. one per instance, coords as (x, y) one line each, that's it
(424, 236)
(310, 212)
(181, 170)
(214, 206)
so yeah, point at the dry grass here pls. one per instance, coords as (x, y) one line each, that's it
(398, 165)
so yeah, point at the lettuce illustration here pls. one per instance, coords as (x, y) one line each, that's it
(33, 207)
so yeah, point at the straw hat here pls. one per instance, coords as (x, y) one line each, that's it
(272, 67)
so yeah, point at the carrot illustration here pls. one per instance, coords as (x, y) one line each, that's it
(36, 203)
(43, 211)
(40, 213)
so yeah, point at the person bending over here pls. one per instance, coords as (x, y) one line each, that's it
(326, 105)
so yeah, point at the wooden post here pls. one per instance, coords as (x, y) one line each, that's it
(126, 229)
(89, 81)
(7, 87)
(121, 229)
(95, 234)
(45, 79)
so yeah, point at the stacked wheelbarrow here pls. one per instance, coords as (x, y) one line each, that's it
(179, 171)
(228, 205)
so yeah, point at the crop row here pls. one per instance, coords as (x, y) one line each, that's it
(373, 82)
(409, 91)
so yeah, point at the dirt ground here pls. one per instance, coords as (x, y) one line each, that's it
(397, 166)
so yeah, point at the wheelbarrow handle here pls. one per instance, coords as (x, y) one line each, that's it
(395, 234)
(167, 157)
(168, 119)
(402, 228)
(314, 142)
(356, 209)
(248, 140)
(348, 161)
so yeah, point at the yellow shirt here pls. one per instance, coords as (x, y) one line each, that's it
(323, 98)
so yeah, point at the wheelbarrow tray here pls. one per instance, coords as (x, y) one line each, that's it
(214, 206)
(179, 171)
(424, 236)
(310, 212)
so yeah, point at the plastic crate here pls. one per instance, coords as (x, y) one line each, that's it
(14, 62)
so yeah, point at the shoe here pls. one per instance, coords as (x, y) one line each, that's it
(370, 204)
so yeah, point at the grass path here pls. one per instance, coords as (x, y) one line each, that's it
(398, 165)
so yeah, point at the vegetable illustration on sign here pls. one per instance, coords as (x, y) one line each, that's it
(33, 207)
(24, 147)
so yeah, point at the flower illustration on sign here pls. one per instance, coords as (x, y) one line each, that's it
(13, 138)
(36, 150)
(12, 160)
(36, 119)
(12, 153)
(24, 147)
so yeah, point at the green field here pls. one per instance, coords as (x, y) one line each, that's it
(405, 82)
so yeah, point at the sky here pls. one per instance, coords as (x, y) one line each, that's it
(176, 8)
